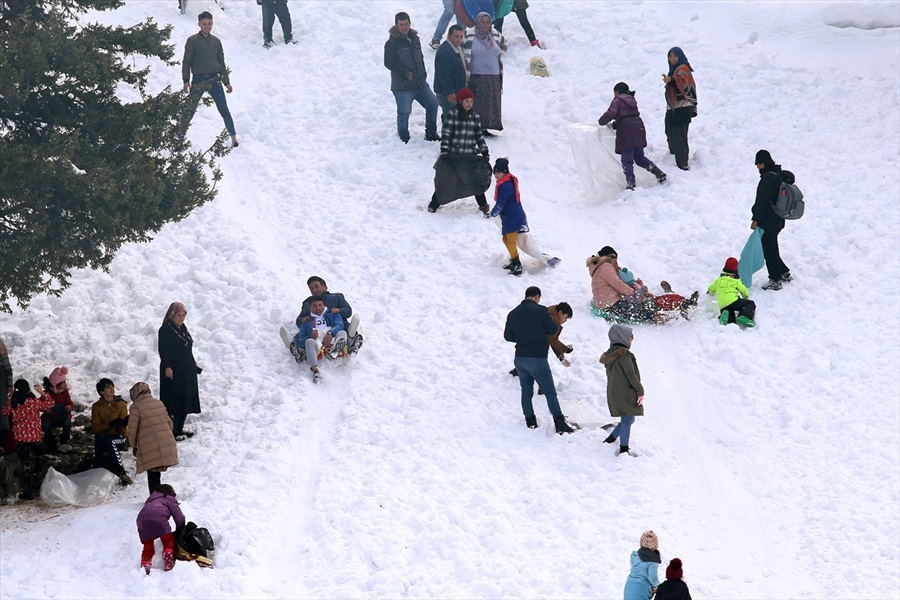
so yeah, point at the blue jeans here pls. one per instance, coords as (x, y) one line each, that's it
(444, 21)
(623, 430)
(631, 156)
(424, 96)
(213, 85)
(531, 370)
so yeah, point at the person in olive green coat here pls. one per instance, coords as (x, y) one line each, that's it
(624, 392)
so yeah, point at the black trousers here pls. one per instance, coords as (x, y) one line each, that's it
(772, 254)
(31, 455)
(272, 9)
(523, 21)
(154, 478)
(743, 308)
(479, 198)
(677, 136)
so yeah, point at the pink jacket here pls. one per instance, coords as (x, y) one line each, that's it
(606, 286)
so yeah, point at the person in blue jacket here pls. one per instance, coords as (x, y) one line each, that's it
(324, 329)
(644, 576)
(449, 69)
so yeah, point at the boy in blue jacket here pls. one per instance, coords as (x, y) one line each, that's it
(733, 296)
(324, 329)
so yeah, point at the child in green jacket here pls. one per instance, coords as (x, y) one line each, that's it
(733, 296)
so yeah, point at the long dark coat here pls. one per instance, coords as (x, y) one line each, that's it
(181, 394)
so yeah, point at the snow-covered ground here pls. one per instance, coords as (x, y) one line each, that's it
(769, 459)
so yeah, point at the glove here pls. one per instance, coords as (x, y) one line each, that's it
(569, 348)
(640, 400)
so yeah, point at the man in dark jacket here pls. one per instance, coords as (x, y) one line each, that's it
(204, 57)
(403, 56)
(764, 216)
(449, 69)
(338, 305)
(528, 326)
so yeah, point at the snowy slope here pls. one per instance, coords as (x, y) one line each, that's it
(770, 459)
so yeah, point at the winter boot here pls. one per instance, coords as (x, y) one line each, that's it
(772, 285)
(168, 560)
(561, 425)
(660, 176)
(356, 344)
(629, 184)
(485, 211)
(531, 422)
(124, 479)
(298, 353)
(514, 372)
(786, 277)
(336, 348)
(609, 440)
(515, 267)
(723, 317)
(623, 450)
(745, 321)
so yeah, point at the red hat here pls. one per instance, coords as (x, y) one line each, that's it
(673, 571)
(731, 265)
(463, 94)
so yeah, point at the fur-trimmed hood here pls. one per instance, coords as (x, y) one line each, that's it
(612, 354)
(593, 259)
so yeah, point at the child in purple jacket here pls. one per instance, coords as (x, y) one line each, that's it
(153, 522)
(631, 137)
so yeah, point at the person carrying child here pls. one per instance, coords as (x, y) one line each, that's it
(153, 523)
(631, 137)
(25, 409)
(644, 576)
(60, 415)
(109, 418)
(733, 296)
(673, 588)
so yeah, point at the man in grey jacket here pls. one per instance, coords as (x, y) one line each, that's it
(205, 58)
(403, 57)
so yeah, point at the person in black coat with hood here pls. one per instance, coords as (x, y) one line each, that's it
(178, 387)
(770, 178)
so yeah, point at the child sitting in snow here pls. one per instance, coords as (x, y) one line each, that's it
(673, 588)
(25, 409)
(60, 415)
(733, 296)
(153, 522)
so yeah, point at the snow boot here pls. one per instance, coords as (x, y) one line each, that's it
(772, 285)
(168, 560)
(515, 267)
(746, 321)
(336, 348)
(298, 353)
(629, 184)
(786, 277)
(531, 422)
(561, 425)
(609, 440)
(723, 317)
(660, 176)
(356, 344)
(623, 450)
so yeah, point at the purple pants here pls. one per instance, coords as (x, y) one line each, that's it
(631, 156)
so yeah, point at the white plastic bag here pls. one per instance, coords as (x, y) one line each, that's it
(81, 489)
(597, 163)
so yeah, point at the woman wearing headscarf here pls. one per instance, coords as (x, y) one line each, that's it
(484, 47)
(624, 391)
(150, 435)
(178, 387)
(681, 105)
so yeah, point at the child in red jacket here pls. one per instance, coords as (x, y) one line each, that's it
(25, 409)
(60, 415)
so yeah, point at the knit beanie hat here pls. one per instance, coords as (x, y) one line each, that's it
(607, 251)
(763, 158)
(463, 94)
(649, 540)
(58, 375)
(103, 384)
(731, 265)
(501, 165)
(673, 571)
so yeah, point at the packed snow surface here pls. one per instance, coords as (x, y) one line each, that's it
(769, 460)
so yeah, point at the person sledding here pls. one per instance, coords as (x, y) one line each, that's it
(733, 297)
(322, 335)
(513, 222)
(615, 298)
(463, 169)
(336, 303)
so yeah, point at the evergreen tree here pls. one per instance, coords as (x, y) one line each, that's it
(89, 159)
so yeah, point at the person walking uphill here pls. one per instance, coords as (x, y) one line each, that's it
(681, 105)
(403, 57)
(624, 391)
(764, 216)
(150, 435)
(528, 326)
(644, 576)
(631, 136)
(205, 58)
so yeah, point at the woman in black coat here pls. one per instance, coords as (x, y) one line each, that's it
(178, 370)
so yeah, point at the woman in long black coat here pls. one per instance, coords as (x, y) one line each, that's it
(178, 370)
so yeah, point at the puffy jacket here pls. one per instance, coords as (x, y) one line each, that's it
(766, 196)
(334, 321)
(508, 206)
(607, 287)
(27, 418)
(103, 412)
(332, 300)
(673, 589)
(644, 575)
(727, 289)
(153, 520)
(630, 131)
(150, 432)
(403, 55)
